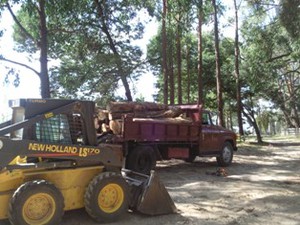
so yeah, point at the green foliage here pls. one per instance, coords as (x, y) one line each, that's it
(29, 19)
(270, 67)
(88, 63)
(12, 76)
(290, 17)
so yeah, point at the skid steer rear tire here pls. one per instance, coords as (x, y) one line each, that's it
(107, 197)
(36, 203)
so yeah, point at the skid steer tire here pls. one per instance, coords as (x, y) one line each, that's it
(107, 198)
(141, 159)
(36, 203)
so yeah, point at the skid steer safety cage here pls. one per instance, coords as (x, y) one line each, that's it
(63, 129)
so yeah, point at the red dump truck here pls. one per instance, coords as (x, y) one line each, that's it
(192, 133)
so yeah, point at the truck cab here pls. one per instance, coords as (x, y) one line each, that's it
(212, 135)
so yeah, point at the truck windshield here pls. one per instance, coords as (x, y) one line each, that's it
(209, 118)
(205, 118)
(214, 118)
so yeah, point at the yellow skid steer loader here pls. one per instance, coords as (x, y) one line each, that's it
(50, 162)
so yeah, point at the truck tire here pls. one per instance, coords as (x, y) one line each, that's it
(36, 203)
(141, 159)
(106, 197)
(190, 159)
(192, 155)
(226, 155)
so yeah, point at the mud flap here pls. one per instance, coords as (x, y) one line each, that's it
(149, 195)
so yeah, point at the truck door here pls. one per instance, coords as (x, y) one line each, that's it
(210, 133)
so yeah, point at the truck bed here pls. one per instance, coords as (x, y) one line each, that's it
(160, 130)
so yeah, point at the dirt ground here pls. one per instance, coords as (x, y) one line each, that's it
(262, 187)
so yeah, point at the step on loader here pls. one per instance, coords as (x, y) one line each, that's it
(51, 162)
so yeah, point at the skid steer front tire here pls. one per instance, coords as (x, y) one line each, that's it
(36, 203)
(106, 198)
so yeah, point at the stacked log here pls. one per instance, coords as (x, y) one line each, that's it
(126, 107)
(146, 110)
(141, 110)
(116, 126)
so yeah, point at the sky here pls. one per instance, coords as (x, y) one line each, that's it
(29, 82)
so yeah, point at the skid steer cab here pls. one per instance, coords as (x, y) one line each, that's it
(50, 163)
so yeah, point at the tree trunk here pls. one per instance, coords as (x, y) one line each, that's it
(112, 46)
(287, 103)
(45, 89)
(200, 81)
(294, 116)
(171, 87)
(237, 73)
(164, 52)
(178, 54)
(218, 67)
(251, 119)
(188, 71)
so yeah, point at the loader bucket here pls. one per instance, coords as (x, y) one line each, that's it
(149, 195)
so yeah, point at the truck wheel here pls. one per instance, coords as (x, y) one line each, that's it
(36, 203)
(190, 159)
(192, 155)
(142, 159)
(106, 198)
(226, 155)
